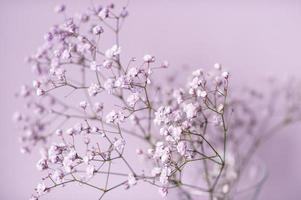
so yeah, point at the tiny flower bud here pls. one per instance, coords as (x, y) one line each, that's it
(60, 8)
(40, 92)
(148, 58)
(217, 66)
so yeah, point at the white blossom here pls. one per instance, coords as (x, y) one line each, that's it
(182, 148)
(148, 58)
(94, 89)
(114, 118)
(97, 30)
(156, 171)
(42, 164)
(58, 176)
(119, 145)
(165, 173)
(109, 85)
(90, 170)
(190, 110)
(133, 72)
(113, 52)
(218, 66)
(132, 179)
(163, 191)
(201, 93)
(83, 104)
(132, 99)
(41, 188)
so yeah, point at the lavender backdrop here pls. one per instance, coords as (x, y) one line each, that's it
(253, 39)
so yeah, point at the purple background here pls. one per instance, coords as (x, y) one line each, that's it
(253, 39)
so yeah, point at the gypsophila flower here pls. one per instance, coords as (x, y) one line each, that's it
(60, 8)
(42, 164)
(104, 13)
(109, 85)
(132, 179)
(90, 170)
(185, 128)
(40, 92)
(218, 66)
(59, 132)
(113, 52)
(119, 145)
(201, 93)
(190, 110)
(163, 192)
(97, 30)
(165, 173)
(107, 64)
(148, 58)
(94, 89)
(94, 66)
(132, 99)
(41, 188)
(98, 107)
(115, 118)
(156, 171)
(182, 148)
(58, 176)
(70, 131)
(83, 104)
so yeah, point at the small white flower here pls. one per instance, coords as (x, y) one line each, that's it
(83, 105)
(42, 164)
(36, 84)
(70, 131)
(165, 173)
(122, 82)
(132, 179)
(220, 108)
(179, 95)
(58, 176)
(190, 110)
(104, 13)
(97, 30)
(225, 188)
(225, 75)
(218, 66)
(182, 148)
(40, 92)
(98, 107)
(107, 64)
(94, 89)
(114, 118)
(148, 58)
(90, 170)
(132, 99)
(94, 66)
(60, 8)
(113, 52)
(156, 171)
(163, 192)
(109, 85)
(201, 93)
(41, 188)
(59, 132)
(66, 55)
(119, 145)
(133, 72)
(198, 72)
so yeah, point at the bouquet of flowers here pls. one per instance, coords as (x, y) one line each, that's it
(86, 103)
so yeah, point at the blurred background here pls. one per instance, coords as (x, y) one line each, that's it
(253, 39)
